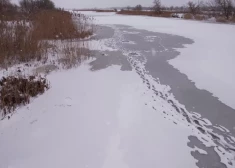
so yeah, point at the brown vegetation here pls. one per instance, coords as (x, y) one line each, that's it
(96, 10)
(221, 20)
(57, 24)
(102, 10)
(188, 16)
(146, 13)
(233, 19)
(17, 91)
(18, 42)
(199, 17)
(24, 40)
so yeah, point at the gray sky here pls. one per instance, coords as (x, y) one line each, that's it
(110, 3)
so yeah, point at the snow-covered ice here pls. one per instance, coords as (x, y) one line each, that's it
(209, 62)
(92, 119)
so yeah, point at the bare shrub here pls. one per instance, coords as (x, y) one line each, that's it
(221, 20)
(15, 91)
(188, 16)
(233, 19)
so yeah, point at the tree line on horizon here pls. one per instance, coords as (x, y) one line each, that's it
(226, 7)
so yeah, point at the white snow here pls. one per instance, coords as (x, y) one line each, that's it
(209, 62)
(92, 119)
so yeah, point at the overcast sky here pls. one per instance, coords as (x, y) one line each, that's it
(110, 3)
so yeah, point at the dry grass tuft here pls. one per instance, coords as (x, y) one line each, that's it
(16, 91)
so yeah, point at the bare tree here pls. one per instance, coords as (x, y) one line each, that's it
(27, 5)
(157, 6)
(4, 4)
(193, 7)
(225, 6)
(45, 4)
(33, 5)
(138, 8)
(7, 6)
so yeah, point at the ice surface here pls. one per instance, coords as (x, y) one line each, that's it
(93, 119)
(209, 62)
